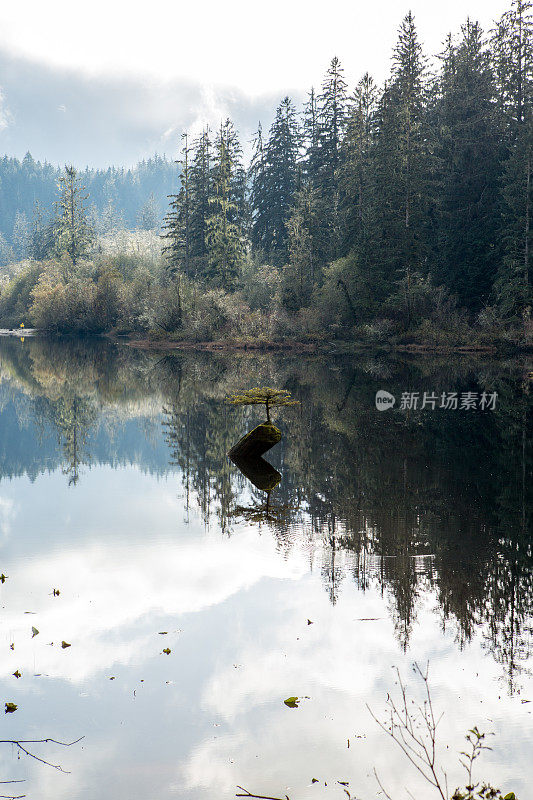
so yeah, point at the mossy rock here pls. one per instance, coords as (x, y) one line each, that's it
(256, 442)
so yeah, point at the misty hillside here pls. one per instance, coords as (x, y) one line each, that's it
(122, 192)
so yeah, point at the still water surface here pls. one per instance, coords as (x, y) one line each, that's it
(402, 536)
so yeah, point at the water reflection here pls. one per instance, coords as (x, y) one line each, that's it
(421, 516)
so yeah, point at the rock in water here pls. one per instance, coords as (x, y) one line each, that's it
(257, 442)
(262, 474)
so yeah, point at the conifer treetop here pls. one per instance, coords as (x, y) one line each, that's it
(264, 395)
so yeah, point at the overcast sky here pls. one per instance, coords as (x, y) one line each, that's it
(117, 81)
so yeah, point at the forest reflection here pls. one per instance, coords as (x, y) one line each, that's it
(420, 503)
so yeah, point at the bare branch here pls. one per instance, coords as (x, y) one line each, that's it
(19, 743)
(258, 796)
(387, 795)
(414, 730)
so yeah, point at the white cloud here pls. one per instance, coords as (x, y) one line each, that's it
(283, 47)
(127, 568)
(5, 114)
(7, 512)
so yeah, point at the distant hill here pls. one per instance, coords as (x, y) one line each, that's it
(23, 183)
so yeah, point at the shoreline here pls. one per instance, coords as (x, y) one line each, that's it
(334, 347)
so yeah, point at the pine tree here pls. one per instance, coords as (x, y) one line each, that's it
(512, 58)
(274, 172)
(149, 214)
(258, 195)
(512, 46)
(512, 289)
(401, 167)
(299, 276)
(225, 239)
(200, 187)
(470, 155)
(40, 239)
(355, 176)
(176, 224)
(332, 107)
(71, 232)
(310, 135)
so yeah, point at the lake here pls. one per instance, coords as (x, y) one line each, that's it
(194, 603)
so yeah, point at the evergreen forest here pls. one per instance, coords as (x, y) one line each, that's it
(395, 213)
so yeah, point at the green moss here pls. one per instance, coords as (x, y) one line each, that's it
(257, 441)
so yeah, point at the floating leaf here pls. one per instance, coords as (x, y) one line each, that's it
(17, 674)
(510, 796)
(163, 633)
(292, 702)
(112, 679)
(34, 631)
(3, 578)
(314, 780)
(10, 708)
(310, 622)
(65, 644)
(167, 651)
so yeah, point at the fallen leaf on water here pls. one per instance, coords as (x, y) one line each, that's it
(17, 674)
(167, 651)
(34, 631)
(292, 702)
(10, 707)
(65, 644)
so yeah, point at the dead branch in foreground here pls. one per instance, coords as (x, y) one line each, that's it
(259, 796)
(19, 743)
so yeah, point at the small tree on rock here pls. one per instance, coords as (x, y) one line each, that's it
(264, 395)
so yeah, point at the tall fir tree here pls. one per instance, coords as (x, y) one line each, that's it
(512, 45)
(512, 59)
(332, 107)
(514, 279)
(401, 167)
(200, 187)
(176, 225)
(470, 161)
(225, 235)
(258, 195)
(274, 177)
(355, 176)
